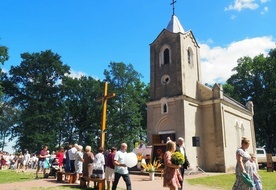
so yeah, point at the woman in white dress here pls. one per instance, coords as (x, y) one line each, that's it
(78, 162)
(98, 166)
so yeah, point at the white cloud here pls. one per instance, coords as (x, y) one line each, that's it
(264, 1)
(217, 62)
(243, 4)
(76, 74)
(233, 17)
(5, 71)
(79, 74)
(264, 10)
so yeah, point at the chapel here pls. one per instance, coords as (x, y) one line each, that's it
(180, 105)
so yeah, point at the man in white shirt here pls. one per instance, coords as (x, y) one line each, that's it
(180, 148)
(71, 154)
(26, 161)
(121, 168)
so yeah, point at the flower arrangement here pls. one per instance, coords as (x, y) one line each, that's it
(177, 158)
(152, 167)
(139, 157)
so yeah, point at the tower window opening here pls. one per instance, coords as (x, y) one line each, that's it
(166, 56)
(189, 56)
(165, 108)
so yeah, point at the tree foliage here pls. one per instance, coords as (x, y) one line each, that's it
(8, 121)
(56, 110)
(127, 111)
(82, 114)
(4, 56)
(34, 87)
(255, 80)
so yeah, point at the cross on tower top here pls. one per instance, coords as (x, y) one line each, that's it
(172, 3)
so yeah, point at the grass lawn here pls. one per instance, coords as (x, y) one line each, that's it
(226, 181)
(10, 176)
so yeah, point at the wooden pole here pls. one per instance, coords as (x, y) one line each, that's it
(104, 99)
(103, 127)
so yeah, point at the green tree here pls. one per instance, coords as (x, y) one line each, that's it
(127, 111)
(82, 118)
(145, 97)
(255, 80)
(34, 87)
(9, 120)
(4, 56)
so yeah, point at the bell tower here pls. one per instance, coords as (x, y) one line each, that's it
(174, 63)
(175, 75)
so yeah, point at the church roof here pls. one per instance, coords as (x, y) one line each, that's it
(234, 102)
(174, 25)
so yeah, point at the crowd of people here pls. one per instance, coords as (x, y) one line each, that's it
(111, 165)
(73, 159)
(20, 162)
(107, 164)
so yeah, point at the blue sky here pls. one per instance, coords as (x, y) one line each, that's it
(89, 34)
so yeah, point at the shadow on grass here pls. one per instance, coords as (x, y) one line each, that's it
(24, 178)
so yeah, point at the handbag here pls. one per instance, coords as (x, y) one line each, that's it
(97, 174)
(247, 180)
(94, 176)
(186, 164)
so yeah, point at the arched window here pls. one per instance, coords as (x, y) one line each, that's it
(164, 106)
(190, 55)
(166, 56)
(165, 109)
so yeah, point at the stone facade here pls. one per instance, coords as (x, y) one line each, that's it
(211, 123)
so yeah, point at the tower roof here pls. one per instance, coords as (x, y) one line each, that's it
(174, 25)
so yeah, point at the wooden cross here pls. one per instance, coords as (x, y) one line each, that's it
(104, 99)
(172, 3)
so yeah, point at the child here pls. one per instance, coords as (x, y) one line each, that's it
(55, 164)
(256, 176)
